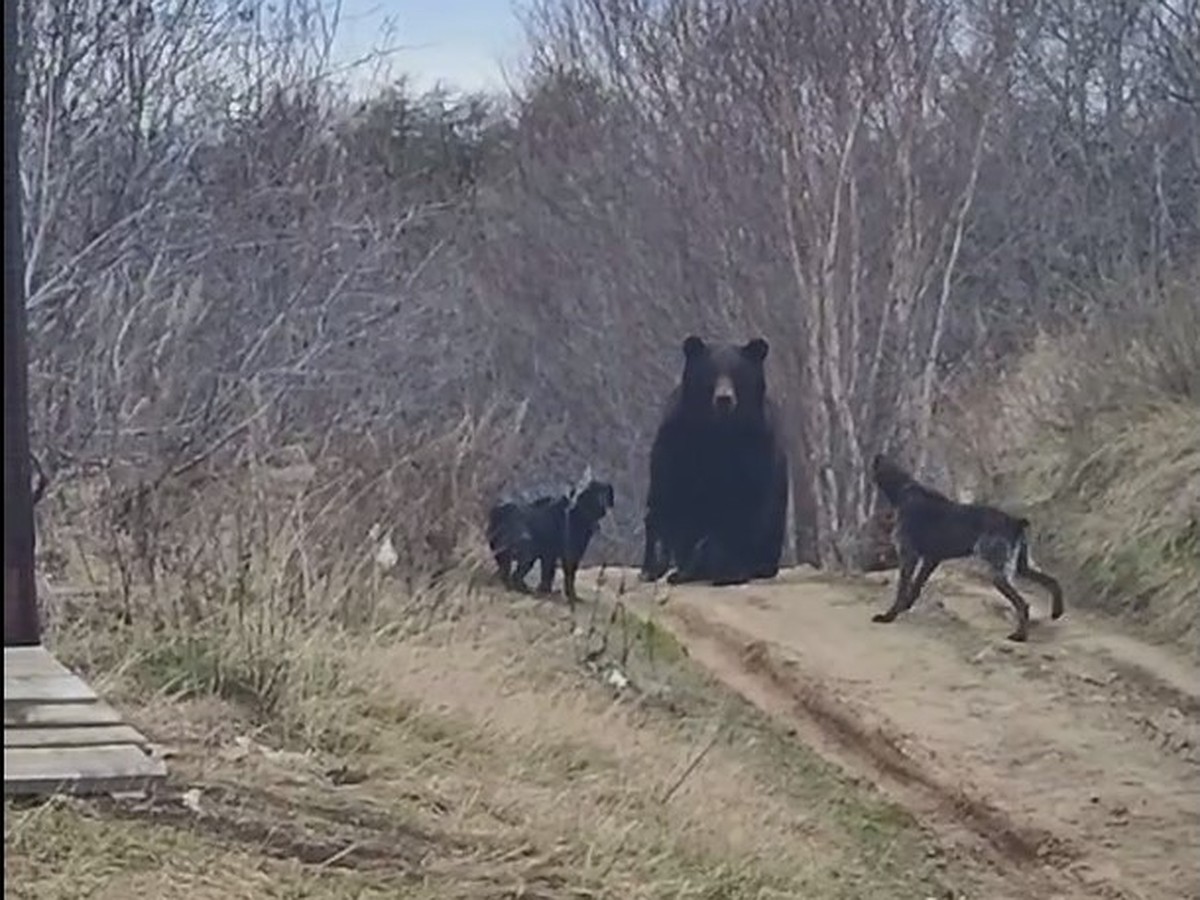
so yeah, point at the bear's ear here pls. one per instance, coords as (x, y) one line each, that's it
(693, 347)
(756, 350)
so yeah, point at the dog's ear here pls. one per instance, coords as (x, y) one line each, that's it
(693, 347)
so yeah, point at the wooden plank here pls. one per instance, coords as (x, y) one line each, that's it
(78, 736)
(23, 661)
(59, 714)
(60, 737)
(46, 689)
(79, 770)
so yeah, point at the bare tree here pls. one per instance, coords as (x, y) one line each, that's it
(232, 264)
(810, 173)
(230, 258)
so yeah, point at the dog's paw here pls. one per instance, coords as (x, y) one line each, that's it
(1057, 612)
(883, 618)
(1018, 636)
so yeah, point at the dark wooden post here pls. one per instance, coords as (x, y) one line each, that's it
(21, 626)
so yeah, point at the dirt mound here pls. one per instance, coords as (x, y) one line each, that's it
(1072, 761)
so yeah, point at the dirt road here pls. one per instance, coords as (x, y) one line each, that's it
(1071, 763)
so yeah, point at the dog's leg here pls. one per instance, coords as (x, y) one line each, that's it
(908, 564)
(570, 567)
(1004, 586)
(1026, 570)
(521, 571)
(504, 568)
(1057, 608)
(924, 570)
(546, 583)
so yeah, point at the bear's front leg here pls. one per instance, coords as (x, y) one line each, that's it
(725, 559)
(691, 564)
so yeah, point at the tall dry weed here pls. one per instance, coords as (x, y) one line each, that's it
(1098, 435)
(247, 577)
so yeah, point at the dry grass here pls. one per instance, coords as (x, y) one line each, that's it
(475, 758)
(340, 728)
(1096, 435)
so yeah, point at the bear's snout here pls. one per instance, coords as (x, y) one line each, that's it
(724, 395)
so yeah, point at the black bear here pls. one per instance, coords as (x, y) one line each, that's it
(717, 503)
(548, 530)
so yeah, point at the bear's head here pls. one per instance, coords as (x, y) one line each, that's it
(724, 381)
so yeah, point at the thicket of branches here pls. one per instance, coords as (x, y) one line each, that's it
(232, 267)
(889, 191)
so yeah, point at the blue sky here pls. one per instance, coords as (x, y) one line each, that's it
(466, 44)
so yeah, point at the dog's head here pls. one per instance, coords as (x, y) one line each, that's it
(593, 499)
(890, 478)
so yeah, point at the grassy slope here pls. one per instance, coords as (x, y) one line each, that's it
(1098, 437)
(491, 760)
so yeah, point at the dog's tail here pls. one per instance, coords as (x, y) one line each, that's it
(500, 517)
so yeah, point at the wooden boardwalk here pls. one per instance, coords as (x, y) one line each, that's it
(59, 737)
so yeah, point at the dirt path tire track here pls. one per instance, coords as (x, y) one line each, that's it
(1070, 762)
(837, 731)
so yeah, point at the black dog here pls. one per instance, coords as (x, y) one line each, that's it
(932, 528)
(548, 530)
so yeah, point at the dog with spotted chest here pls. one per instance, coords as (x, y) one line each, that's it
(548, 530)
(931, 528)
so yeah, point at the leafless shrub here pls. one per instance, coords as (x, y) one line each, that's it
(1096, 435)
(249, 373)
(744, 169)
(890, 191)
(415, 302)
